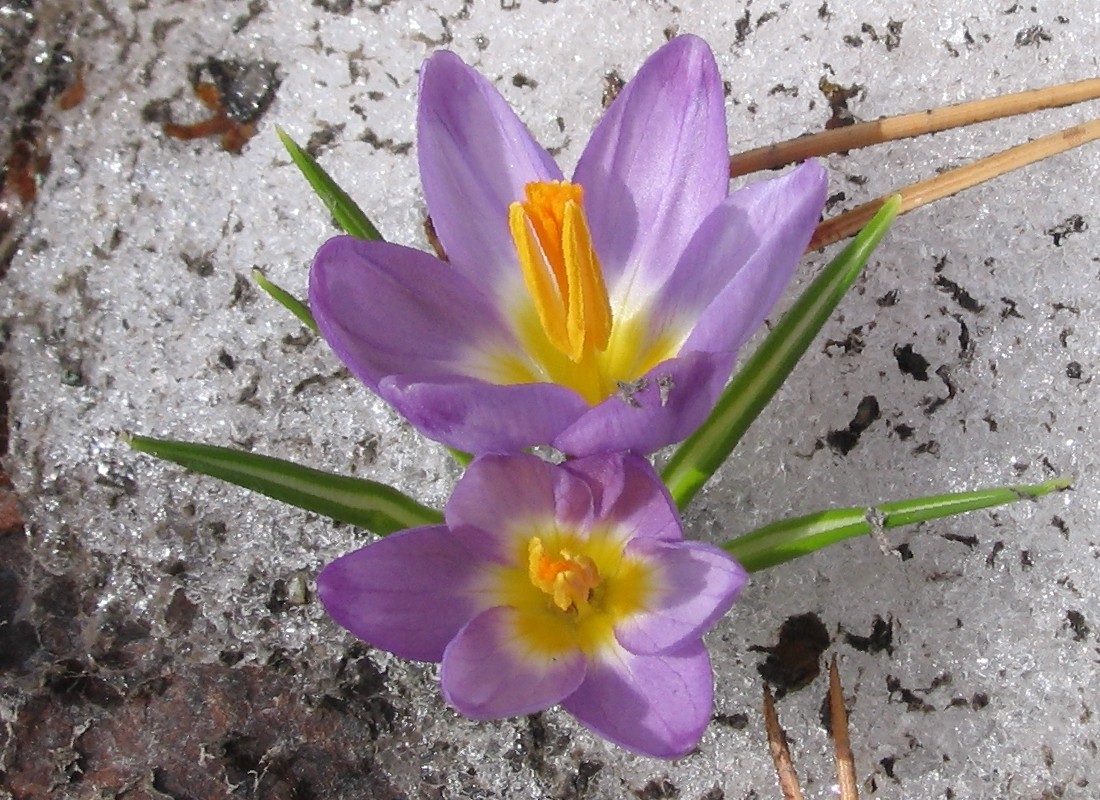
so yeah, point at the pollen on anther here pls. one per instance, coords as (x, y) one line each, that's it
(560, 268)
(568, 579)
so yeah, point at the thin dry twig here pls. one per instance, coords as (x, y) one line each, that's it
(956, 180)
(781, 754)
(842, 749)
(907, 126)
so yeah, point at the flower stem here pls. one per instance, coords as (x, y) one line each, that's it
(788, 539)
(764, 372)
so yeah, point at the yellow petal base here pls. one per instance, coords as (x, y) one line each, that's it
(567, 326)
(570, 592)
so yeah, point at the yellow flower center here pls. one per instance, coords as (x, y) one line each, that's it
(568, 579)
(569, 591)
(560, 268)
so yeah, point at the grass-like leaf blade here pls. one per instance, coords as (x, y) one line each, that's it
(791, 538)
(296, 307)
(363, 503)
(754, 385)
(344, 210)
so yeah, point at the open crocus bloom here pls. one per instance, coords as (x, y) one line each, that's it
(598, 314)
(550, 584)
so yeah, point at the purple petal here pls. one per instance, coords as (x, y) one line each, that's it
(480, 417)
(389, 310)
(410, 593)
(665, 406)
(488, 671)
(653, 705)
(629, 493)
(475, 157)
(657, 164)
(501, 501)
(698, 584)
(744, 256)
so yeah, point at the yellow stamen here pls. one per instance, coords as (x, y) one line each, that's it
(568, 579)
(560, 268)
(571, 591)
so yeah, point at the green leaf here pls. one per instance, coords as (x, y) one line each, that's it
(347, 214)
(461, 458)
(763, 373)
(788, 539)
(296, 307)
(363, 503)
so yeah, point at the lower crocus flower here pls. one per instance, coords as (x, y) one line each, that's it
(551, 584)
(598, 314)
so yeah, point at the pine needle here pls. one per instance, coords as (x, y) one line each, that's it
(905, 126)
(842, 748)
(781, 753)
(956, 180)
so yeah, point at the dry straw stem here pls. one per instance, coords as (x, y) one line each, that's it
(781, 754)
(955, 180)
(906, 126)
(842, 749)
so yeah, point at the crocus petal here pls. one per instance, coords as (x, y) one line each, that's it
(409, 593)
(475, 158)
(665, 406)
(488, 672)
(657, 163)
(479, 417)
(743, 256)
(502, 501)
(697, 585)
(629, 494)
(653, 705)
(386, 309)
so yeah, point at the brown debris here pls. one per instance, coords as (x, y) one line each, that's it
(234, 134)
(24, 166)
(838, 97)
(794, 661)
(433, 239)
(73, 94)
(237, 93)
(10, 517)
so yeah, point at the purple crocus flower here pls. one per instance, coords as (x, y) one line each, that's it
(595, 315)
(551, 584)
